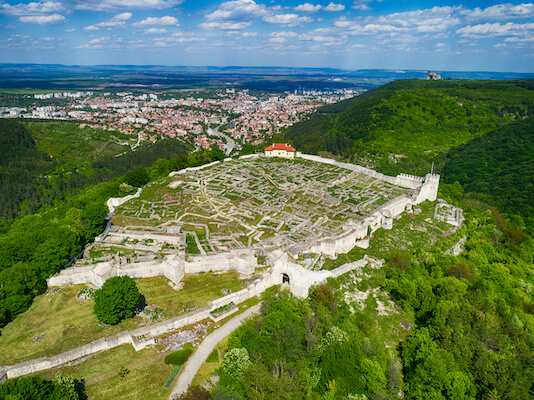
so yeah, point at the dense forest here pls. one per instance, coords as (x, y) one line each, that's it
(499, 165)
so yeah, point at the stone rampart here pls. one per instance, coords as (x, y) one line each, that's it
(403, 180)
(356, 233)
(242, 261)
(115, 202)
(249, 156)
(301, 280)
(171, 267)
(429, 189)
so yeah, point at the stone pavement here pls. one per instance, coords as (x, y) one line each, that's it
(204, 350)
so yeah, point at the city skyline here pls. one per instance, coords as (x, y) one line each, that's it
(469, 36)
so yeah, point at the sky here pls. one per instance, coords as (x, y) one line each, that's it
(357, 34)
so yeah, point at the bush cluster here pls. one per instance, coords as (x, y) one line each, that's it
(178, 357)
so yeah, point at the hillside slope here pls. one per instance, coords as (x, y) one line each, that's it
(413, 116)
(500, 165)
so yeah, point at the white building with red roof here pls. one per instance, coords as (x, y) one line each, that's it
(280, 150)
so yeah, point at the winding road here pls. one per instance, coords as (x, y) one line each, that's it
(194, 363)
(230, 143)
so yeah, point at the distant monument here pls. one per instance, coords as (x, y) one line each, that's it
(280, 150)
(432, 76)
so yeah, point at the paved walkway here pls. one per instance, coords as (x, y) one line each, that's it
(192, 366)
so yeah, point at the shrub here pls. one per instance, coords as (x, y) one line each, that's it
(195, 393)
(178, 357)
(116, 300)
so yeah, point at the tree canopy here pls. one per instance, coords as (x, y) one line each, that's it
(116, 300)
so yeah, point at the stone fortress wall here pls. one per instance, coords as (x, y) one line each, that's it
(243, 261)
(301, 281)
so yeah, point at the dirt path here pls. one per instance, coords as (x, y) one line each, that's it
(192, 366)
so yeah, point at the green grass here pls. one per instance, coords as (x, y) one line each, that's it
(172, 377)
(69, 323)
(191, 245)
(145, 379)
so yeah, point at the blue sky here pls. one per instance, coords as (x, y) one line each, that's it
(357, 34)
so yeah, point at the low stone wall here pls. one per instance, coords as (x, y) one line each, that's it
(117, 237)
(183, 171)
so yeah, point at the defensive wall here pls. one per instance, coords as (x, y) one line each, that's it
(115, 202)
(173, 267)
(300, 282)
(356, 233)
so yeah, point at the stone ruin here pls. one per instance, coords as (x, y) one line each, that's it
(242, 213)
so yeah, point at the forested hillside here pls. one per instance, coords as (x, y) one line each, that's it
(478, 133)
(20, 165)
(499, 165)
(470, 334)
(55, 163)
(413, 116)
(70, 204)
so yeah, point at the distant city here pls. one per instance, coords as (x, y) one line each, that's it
(245, 117)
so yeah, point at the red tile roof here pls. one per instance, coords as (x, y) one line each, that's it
(280, 146)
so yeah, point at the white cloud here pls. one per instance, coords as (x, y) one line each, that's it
(277, 40)
(163, 21)
(281, 37)
(70, 30)
(286, 19)
(520, 40)
(496, 29)
(43, 19)
(287, 34)
(360, 5)
(32, 8)
(123, 16)
(334, 7)
(177, 38)
(501, 11)
(155, 31)
(250, 34)
(104, 42)
(110, 5)
(116, 22)
(308, 7)
(237, 11)
(319, 38)
(224, 25)
(436, 19)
